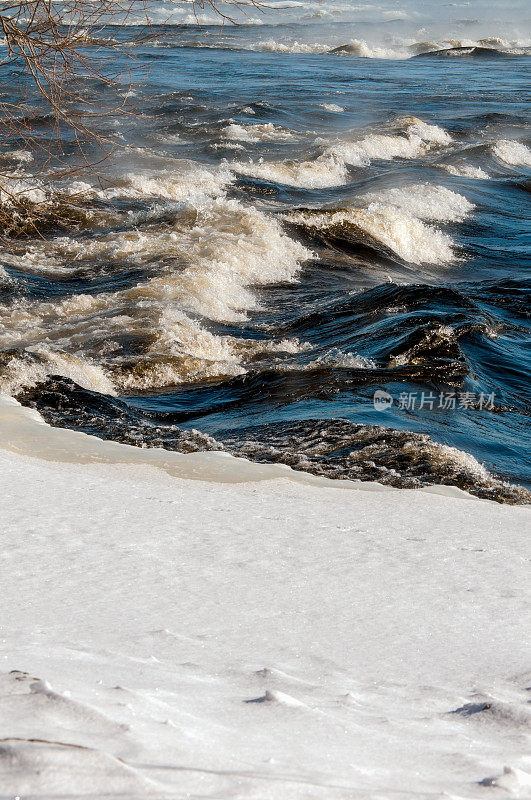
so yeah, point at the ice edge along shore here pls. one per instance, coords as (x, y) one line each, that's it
(23, 431)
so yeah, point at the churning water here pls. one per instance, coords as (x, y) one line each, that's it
(302, 210)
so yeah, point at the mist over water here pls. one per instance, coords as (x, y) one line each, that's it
(326, 201)
(385, 29)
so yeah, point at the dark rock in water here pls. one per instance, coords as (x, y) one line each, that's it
(465, 52)
(345, 48)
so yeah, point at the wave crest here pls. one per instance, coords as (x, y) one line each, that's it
(512, 152)
(395, 219)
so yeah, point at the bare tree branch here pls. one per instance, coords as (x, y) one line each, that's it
(57, 48)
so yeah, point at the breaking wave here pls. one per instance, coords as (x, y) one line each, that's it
(399, 49)
(394, 219)
(408, 138)
(426, 201)
(272, 46)
(325, 170)
(414, 139)
(266, 132)
(198, 258)
(465, 171)
(512, 152)
(183, 181)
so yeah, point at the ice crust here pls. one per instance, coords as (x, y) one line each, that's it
(253, 633)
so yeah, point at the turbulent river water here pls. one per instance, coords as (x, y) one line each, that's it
(309, 246)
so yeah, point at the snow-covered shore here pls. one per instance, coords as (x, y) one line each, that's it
(251, 638)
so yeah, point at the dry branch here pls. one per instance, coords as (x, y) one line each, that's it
(56, 48)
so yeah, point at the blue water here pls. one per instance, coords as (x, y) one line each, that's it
(412, 290)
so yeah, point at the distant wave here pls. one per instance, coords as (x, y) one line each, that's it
(493, 47)
(466, 52)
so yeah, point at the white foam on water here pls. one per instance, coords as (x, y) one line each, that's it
(430, 134)
(465, 171)
(217, 20)
(416, 48)
(182, 350)
(512, 46)
(496, 42)
(414, 139)
(398, 51)
(335, 358)
(262, 132)
(20, 373)
(397, 216)
(377, 146)
(512, 152)
(22, 156)
(332, 107)
(426, 201)
(326, 170)
(21, 188)
(178, 348)
(417, 138)
(356, 47)
(215, 253)
(406, 235)
(184, 181)
(230, 248)
(227, 145)
(42, 257)
(272, 46)
(363, 49)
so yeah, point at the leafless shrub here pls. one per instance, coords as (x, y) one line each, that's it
(57, 48)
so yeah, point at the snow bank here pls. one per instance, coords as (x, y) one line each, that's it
(163, 637)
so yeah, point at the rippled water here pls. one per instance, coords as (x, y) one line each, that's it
(282, 231)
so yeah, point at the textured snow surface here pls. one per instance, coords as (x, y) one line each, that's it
(167, 638)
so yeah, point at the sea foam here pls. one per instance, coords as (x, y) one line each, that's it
(512, 152)
(325, 170)
(426, 201)
(414, 139)
(408, 138)
(261, 132)
(207, 261)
